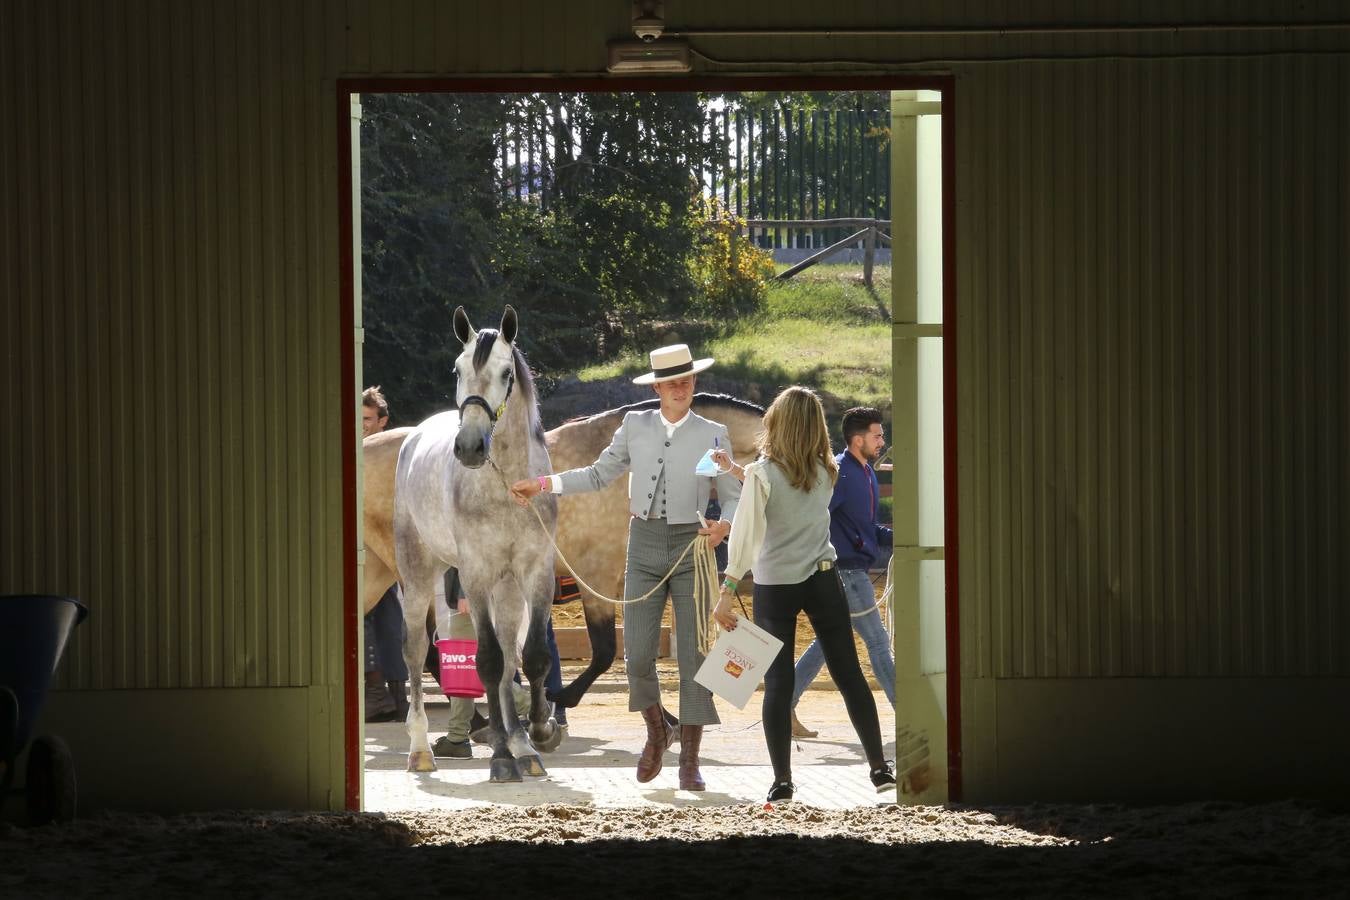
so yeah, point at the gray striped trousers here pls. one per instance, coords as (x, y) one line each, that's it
(653, 546)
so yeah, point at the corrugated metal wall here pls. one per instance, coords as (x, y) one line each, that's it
(1152, 285)
(168, 266)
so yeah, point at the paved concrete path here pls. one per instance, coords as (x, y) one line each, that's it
(595, 763)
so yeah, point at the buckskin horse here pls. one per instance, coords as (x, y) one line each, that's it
(592, 527)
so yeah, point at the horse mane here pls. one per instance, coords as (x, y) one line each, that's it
(723, 400)
(524, 377)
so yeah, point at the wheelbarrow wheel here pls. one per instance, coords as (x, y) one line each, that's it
(51, 781)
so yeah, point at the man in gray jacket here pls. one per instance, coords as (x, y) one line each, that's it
(661, 448)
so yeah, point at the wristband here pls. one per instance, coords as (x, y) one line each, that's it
(543, 484)
(729, 583)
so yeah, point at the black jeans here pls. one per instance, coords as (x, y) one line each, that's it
(384, 637)
(821, 597)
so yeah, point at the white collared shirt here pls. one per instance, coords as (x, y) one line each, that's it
(671, 426)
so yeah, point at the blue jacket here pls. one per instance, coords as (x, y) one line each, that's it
(854, 531)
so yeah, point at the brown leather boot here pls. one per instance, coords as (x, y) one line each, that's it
(690, 777)
(659, 737)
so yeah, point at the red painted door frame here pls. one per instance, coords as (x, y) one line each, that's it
(345, 87)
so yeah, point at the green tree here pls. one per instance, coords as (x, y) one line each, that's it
(582, 210)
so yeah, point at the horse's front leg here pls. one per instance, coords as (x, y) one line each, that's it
(544, 729)
(492, 672)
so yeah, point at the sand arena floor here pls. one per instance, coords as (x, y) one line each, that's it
(609, 837)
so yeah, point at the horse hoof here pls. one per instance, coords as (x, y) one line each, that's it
(421, 761)
(550, 741)
(534, 766)
(504, 770)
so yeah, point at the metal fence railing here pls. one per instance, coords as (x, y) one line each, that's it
(794, 167)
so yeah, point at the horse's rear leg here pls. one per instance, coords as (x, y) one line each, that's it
(600, 629)
(418, 594)
(492, 672)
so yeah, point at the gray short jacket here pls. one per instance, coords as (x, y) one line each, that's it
(640, 444)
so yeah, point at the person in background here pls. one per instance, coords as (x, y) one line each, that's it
(858, 539)
(464, 722)
(386, 686)
(781, 530)
(661, 447)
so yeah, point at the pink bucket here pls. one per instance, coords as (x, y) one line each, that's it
(459, 667)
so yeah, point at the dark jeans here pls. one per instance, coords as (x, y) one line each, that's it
(384, 637)
(821, 597)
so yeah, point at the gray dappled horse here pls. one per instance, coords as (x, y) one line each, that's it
(452, 508)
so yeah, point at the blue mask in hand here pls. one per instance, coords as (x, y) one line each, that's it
(707, 466)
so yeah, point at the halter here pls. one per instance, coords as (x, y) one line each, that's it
(477, 400)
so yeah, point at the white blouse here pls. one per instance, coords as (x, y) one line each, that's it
(747, 527)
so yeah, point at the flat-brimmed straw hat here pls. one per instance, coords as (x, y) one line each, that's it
(669, 363)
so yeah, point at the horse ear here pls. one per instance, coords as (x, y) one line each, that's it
(463, 330)
(509, 324)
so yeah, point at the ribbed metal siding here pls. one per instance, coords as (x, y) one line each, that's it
(1152, 330)
(167, 259)
(167, 237)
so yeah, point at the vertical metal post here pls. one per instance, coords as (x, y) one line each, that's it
(801, 176)
(762, 152)
(750, 165)
(815, 174)
(777, 176)
(726, 162)
(740, 207)
(869, 253)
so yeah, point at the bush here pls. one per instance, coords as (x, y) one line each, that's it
(729, 273)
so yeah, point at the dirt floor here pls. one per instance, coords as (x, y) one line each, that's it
(1198, 849)
(738, 850)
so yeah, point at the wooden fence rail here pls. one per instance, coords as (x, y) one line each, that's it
(871, 232)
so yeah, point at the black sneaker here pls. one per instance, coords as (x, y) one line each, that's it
(883, 777)
(448, 749)
(781, 790)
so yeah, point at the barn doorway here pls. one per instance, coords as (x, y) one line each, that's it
(909, 280)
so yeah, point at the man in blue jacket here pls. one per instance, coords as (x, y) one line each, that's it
(857, 539)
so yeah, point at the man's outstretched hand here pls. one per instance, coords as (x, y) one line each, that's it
(525, 489)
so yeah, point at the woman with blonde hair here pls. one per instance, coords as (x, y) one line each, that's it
(781, 530)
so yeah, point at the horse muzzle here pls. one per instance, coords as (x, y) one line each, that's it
(472, 449)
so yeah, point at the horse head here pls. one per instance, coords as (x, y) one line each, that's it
(485, 375)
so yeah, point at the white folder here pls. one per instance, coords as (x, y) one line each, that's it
(737, 662)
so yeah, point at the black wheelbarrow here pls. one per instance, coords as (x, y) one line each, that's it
(34, 629)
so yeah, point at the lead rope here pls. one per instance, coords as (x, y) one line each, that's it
(705, 574)
(880, 601)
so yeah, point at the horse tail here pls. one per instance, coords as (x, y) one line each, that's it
(600, 628)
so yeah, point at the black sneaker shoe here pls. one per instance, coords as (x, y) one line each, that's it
(883, 777)
(448, 749)
(781, 790)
